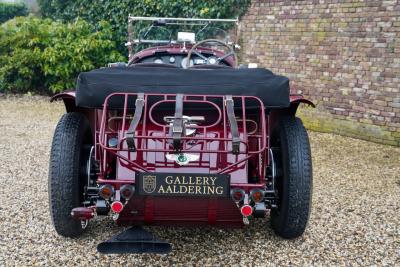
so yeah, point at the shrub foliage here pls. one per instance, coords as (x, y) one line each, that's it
(116, 11)
(11, 10)
(41, 54)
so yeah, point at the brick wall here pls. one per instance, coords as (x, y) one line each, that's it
(342, 54)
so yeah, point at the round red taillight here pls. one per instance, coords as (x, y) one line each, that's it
(246, 210)
(117, 206)
(257, 195)
(127, 191)
(237, 194)
(106, 191)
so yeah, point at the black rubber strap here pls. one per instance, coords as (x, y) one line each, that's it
(177, 125)
(130, 134)
(232, 124)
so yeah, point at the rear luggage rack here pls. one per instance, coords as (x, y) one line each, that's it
(138, 121)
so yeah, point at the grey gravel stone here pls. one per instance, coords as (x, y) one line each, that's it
(355, 218)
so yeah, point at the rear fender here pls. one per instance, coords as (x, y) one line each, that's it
(295, 101)
(68, 97)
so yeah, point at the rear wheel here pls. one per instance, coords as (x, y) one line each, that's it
(67, 172)
(294, 178)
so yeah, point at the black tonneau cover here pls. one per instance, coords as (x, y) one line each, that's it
(94, 86)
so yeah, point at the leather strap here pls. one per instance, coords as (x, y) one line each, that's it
(178, 123)
(149, 209)
(232, 124)
(130, 134)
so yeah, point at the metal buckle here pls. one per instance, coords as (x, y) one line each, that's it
(186, 119)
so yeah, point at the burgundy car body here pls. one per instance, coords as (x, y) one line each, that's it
(150, 155)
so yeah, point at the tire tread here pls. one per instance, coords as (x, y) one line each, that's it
(64, 173)
(298, 195)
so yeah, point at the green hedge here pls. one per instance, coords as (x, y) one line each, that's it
(11, 10)
(41, 54)
(116, 11)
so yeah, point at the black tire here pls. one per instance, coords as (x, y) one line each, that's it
(66, 176)
(294, 178)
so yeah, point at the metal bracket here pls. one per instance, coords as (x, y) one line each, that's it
(187, 119)
(84, 224)
(271, 193)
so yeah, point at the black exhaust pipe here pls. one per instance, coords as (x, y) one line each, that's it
(134, 240)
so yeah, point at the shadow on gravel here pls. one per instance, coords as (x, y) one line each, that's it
(187, 239)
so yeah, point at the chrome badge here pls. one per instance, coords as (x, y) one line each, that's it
(182, 158)
(149, 183)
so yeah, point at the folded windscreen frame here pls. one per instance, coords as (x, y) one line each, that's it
(94, 86)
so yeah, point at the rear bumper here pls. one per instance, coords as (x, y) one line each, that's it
(181, 211)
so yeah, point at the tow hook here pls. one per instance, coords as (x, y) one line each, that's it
(84, 224)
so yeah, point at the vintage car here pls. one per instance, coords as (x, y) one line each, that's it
(181, 135)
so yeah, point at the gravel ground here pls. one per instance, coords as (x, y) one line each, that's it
(355, 217)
